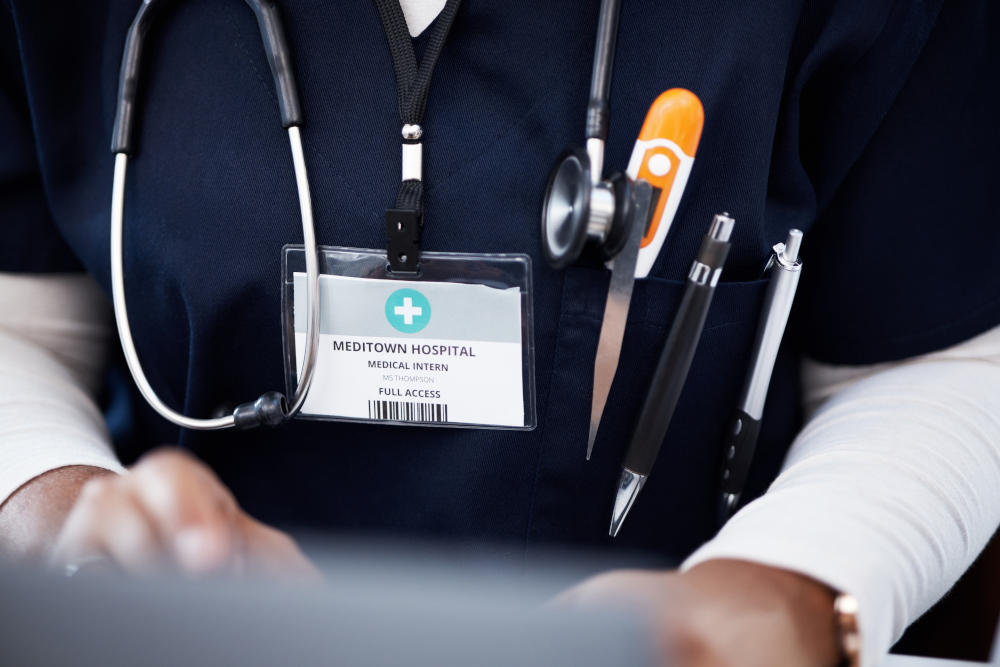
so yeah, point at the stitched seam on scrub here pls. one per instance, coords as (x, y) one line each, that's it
(514, 123)
(270, 93)
(541, 442)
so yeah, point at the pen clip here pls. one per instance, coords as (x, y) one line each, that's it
(777, 250)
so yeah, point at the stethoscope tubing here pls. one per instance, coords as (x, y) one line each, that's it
(312, 295)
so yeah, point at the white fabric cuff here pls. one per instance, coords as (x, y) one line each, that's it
(889, 493)
(50, 357)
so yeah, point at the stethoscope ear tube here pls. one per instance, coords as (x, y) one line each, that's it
(275, 46)
(271, 409)
(128, 77)
(279, 58)
(604, 64)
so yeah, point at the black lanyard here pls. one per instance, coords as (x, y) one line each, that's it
(404, 222)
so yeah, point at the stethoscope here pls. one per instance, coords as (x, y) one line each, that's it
(579, 207)
(270, 409)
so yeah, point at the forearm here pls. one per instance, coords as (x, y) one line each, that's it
(766, 599)
(53, 332)
(889, 493)
(723, 612)
(31, 518)
(47, 419)
(169, 513)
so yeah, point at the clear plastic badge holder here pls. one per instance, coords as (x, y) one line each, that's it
(500, 272)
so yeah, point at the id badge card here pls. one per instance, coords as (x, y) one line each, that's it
(451, 346)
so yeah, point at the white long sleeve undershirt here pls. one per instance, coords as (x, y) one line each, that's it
(53, 337)
(891, 490)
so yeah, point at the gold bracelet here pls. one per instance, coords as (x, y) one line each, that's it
(845, 612)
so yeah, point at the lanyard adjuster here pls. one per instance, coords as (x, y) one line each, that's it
(413, 153)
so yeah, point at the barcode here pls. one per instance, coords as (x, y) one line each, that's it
(407, 412)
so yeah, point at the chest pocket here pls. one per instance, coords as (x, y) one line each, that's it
(573, 496)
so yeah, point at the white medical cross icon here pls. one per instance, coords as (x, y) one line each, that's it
(408, 310)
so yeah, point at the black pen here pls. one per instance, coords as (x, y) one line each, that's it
(744, 425)
(672, 369)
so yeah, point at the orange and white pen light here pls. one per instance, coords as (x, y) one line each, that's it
(663, 155)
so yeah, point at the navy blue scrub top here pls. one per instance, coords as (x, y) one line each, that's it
(870, 125)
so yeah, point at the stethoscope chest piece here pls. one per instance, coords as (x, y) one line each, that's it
(581, 211)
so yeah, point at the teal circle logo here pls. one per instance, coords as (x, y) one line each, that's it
(408, 310)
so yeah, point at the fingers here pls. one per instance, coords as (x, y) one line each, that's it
(274, 555)
(193, 514)
(107, 524)
(660, 600)
(171, 513)
(722, 613)
(616, 589)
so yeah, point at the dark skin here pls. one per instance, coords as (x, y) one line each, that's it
(32, 517)
(172, 514)
(724, 613)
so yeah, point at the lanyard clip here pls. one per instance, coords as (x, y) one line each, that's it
(402, 224)
(402, 227)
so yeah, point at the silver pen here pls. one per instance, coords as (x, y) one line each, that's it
(744, 425)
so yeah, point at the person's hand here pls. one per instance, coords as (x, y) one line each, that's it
(170, 513)
(723, 613)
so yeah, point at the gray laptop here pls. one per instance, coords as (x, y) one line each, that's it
(376, 609)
